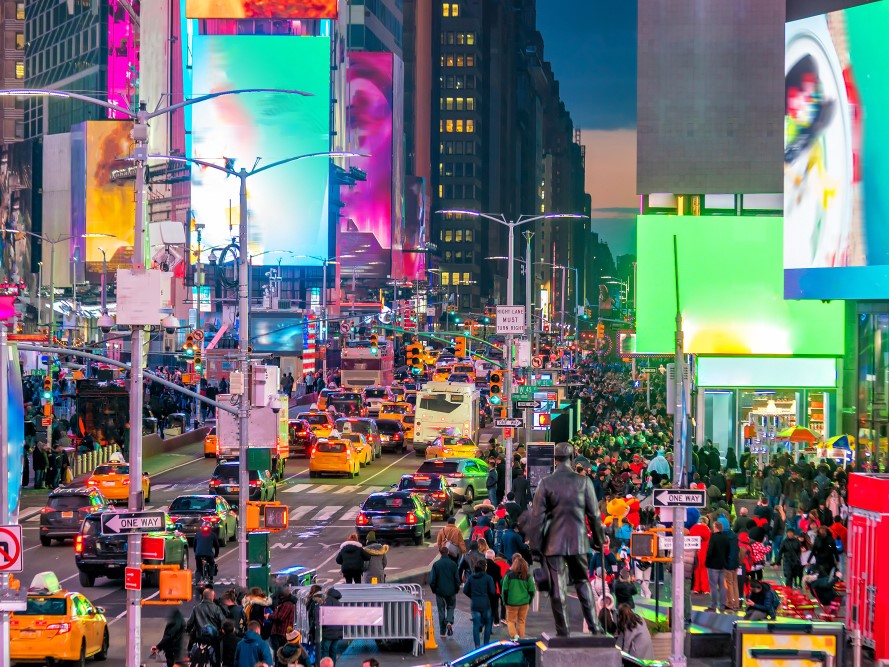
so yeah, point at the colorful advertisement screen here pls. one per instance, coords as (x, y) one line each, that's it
(365, 241)
(287, 205)
(415, 228)
(836, 241)
(730, 290)
(261, 9)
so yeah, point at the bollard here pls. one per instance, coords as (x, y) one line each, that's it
(373, 580)
(430, 628)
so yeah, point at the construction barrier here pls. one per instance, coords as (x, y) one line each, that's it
(84, 464)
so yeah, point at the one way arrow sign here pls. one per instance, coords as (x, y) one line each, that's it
(679, 498)
(125, 523)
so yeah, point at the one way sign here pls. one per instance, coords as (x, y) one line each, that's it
(124, 523)
(679, 498)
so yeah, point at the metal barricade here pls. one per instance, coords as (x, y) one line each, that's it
(388, 612)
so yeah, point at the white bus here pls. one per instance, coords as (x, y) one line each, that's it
(446, 408)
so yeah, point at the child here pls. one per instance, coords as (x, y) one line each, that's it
(791, 554)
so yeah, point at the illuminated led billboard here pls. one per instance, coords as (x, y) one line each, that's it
(836, 241)
(372, 210)
(287, 205)
(730, 290)
(261, 9)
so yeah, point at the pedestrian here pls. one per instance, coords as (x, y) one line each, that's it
(479, 587)
(625, 589)
(451, 538)
(351, 559)
(790, 554)
(171, 643)
(40, 462)
(26, 466)
(228, 645)
(233, 611)
(331, 634)
(762, 603)
(512, 543)
(252, 648)
(517, 591)
(376, 566)
(522, 490)
(496, 573)
(824, 552)
(283, 617)
(633, 636)
(256, 606)
(205, 623)
(470, 559)
(492, 480)
(292, 652)
(700, 582)
(716, 561)
(445, 582)
(732, 601)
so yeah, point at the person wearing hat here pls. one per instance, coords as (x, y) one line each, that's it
(376, 567)
(292, 653)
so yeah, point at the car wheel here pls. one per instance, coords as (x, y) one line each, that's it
(103, 652)
(223, 537)
(469, 496)
(81, 661)
(86, 579)
(45, 541)
(418, 539)
(429, 529)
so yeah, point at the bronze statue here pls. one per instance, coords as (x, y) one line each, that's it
(563, 504)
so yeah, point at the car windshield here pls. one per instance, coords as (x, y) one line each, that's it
(320, 419)
(394, 408)
(354, 437)
(439, 403)
(112, 470)
(230, 472)
(354, 425)
(409, 419)
(385, 503)
(375, 393)
(193, 504)
(389, 426)
(424, 482)
(485, 655)
(45, 607)
(68, 502)
(331, 447)
(440, 467)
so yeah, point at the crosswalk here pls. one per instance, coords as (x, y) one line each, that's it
(335, 489)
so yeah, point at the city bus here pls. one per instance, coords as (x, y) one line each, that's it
(445, 408)
(363, 366)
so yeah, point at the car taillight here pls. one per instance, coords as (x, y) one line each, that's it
(78, 544)
(411, 519)
(126, 480)
(215, 482)
(213, 518)
(47, 510)
(362, 520)
(92, 482)
(255, 484)
(60, 628)
(397, 436)
(441, 495)
(455, 474)
(85, 510)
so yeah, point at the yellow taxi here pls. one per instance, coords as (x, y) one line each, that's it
(334, 457)
(211, 444)
(398, 391)
(441, 373)
(469, 369)
(113, 480)
(322, 397)
(452, 447)
(320, 422)
(362, 447)
(408, 421)
(57, 626)
(395, 409)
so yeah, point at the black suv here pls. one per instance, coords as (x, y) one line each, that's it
(98, 555)
(64, 511)
(225, 482)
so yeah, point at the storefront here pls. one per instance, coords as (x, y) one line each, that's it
(871, 428)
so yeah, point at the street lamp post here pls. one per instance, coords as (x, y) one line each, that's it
(500, 218)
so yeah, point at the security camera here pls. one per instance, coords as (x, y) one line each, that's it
(106, 323)
(275, 404)
(170, 324)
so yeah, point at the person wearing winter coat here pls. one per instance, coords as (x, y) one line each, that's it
(479, 588)
(445, 582)
(376, 567)
(791, 554)
(451, 538)
(252, 648)
(632, 635)
(292, 653)
(496, 573)
(171, 643)
(283, 618)
(512, 543)
(228, 644)
(470, 559)
(517, 591)
(522, 489)
(330, 634)
(824, 551)
(351, 559)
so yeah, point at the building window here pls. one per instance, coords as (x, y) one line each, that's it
(470, 104)
(461, 38)
(449, 236)
(470, 148)
(470, 61)
(470, 125)
(445, 278)
(459, 104)
(459, 125)
(470, 38)
(458, 236)
(466, 278)
(20, 41)
(19, 69)
(440, 191)
(450, 10)
(448, 256)
(449, 104)
(460, 61)
(449, 125)
(455, 278)
(449, 60)
(459, 148)
(449, 82)
(468, 235)
(20, 11)
(450, 38)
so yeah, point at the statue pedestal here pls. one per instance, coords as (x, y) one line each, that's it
(577, 650)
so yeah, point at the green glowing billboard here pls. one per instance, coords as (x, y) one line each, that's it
(731, 287)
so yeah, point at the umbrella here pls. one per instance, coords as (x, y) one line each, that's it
(839, 442)
(798, 434)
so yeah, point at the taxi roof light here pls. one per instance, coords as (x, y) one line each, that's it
(45, 582)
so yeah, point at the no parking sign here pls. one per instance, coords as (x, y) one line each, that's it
(11, 549)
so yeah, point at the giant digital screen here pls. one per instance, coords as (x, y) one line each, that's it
(730, 290)
(371, 215)
(836, 241)
(287, 205)
(261, 9)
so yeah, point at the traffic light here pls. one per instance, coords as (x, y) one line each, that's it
(545, 419)
(496, 382)
(643, 545)
(47, 388)
(276, 517)
(460, 349)
(189, 345)
(374, 344)
(600, 330)
(415, 358)
(198, 362)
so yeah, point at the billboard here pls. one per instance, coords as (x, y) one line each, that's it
(836, 242)
(370, 233)
(730, 290)
(261, 9)
(101, 201)
(287, 205)
(18, 186)
(416, 227)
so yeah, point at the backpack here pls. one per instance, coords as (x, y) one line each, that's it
(478, 532)
(209, 633)
(498, 540)
(202, 655)
(772, 601)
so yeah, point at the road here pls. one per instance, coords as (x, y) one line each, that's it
(322, 514)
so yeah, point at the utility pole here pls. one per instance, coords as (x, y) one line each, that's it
(244, 368)
(4, 478)
(507, 385)
(677, 657)
(529, 325)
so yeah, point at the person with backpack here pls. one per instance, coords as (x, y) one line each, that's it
(205, 623)
(234, 611)
(482, 530)
(470, 559)
(478, 588)
(253, 648)
(762, 602)
(352, 558)
(376, 567)
(517, 591)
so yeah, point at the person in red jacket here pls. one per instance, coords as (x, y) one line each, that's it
(699, 581)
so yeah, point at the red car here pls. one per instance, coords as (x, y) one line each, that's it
(302, 438)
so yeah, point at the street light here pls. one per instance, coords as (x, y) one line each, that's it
(565, 270)
(523, 219)
(324, 262)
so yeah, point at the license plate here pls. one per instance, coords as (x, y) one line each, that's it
(385, 520)
(385, 438)
(28, 633)
(107, 483)
(229, 488)
(67, 515)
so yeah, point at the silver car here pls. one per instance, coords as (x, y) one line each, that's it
(466, 477)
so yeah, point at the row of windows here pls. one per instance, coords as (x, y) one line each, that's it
(458, 257)
(455, 278)
(455, 235)
(457, 191)
(450, 9)
(64, 51)
(458, 38)
(457, 60)
(456, 125)
(457, 103)
(456, 169)
(459, 81)
(457, 147)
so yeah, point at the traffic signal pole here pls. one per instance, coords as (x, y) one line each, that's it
(507, 385)
(529, 301)
(4, 478)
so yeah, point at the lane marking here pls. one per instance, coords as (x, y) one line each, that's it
(389, 466)
(349, 515)
(327, 512)
(296, 488)
(299, 512)
(296, 474)
(347, 489)
(322, 488)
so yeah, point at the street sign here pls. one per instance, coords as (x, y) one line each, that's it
(46, 421)
(523, 390)
(528, 405)
(153, 548)
(692, 542)
(537, 361)
(345, 327)
(125, 523)
(11, 548)
(132, 578)
(509, 423)
(679, 498)
(198, 334)
(510, 319)
(507, 434)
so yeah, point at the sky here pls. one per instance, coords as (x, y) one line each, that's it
(592, 47)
